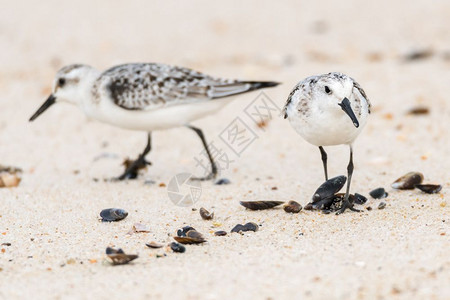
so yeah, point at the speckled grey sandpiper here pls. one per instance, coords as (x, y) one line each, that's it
(146, 97)
(327, 110)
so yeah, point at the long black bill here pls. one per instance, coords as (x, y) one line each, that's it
(345, 105)
(49, 102)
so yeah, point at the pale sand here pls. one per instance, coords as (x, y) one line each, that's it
(398, 252)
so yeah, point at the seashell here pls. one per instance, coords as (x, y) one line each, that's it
(113, 214)
(429, 188)
(192, 237)
(9, 180)
(378, 193)
(184, 230)
(205, 214)
(250, 226)
(308, 206)
(382, 205)
(222, 181)
(177, 247)
(238, 228)
(292, 207)
(419, 110)
(138, 227)
(260, 205)
(359, 199)
(329, 188)
(154, 245)
(220, 233)
(408, 181)
(118, 257)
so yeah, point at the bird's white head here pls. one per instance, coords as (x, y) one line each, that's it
(333, 92)
(71, 84)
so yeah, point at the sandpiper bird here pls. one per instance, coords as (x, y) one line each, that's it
(327, 110)
(146, 97)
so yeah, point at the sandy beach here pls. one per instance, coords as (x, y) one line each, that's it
(398, 51)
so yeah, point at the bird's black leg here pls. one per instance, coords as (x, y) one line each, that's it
(346, 202)
(324, 161)
(213, 173)
(132, 168)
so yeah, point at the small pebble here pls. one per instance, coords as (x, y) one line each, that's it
(382, 205)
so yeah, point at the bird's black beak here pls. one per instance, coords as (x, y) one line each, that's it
(345, 105)
(49, 102)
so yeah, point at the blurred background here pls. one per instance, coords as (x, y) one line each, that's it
(398, 51)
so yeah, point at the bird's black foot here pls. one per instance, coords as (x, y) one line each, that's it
(132, 168)
(346, 204)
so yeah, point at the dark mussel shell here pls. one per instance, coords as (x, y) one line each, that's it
(359, 199)
(177, 247)
(329, 188)
(429, 188)
(184, 230)
(250, 226)
(260, 205)
(118, 257)
(408, 181)
(220, 233)
(292, 207)
(378, 193)
(113, 214)
(192, 237)
(382, 205)
(222, 181)
(206, 215)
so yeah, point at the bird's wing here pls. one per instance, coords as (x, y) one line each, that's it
(361, 91)
(151, 86)
(304, 88)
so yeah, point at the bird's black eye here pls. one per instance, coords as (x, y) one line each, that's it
(61, 82)
(327, 90)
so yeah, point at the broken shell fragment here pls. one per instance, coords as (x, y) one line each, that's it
(419, 110)
(177, 247)
(308, 206)
(9, 180)
(292, 207)
(220, 233)
(429, 188)
(260, 205)
(192, 237)
(138, 227)
(378, 193)
(113, 214)
(382, 205)
(118, 257)
(154, 245)
(329, 188)
(206, 215)
(222, 181)
(250, 226)
(408, 181)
